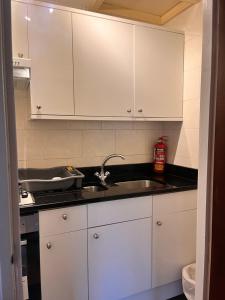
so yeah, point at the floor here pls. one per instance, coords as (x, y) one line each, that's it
(181, 297)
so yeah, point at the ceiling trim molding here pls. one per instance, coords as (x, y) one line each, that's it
(176, 10)
(129, 14)
(94, 5)
(118, 11)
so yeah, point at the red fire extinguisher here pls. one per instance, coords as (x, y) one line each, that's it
(160, 150)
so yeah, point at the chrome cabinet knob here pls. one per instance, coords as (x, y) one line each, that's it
(65, 217)
(38, 107)
(16, 63)
(129, 110)
(49, 245)
(96, 236)
(140, 110)
(20, 55)
(159, 223)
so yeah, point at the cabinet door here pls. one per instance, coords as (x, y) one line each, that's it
(119, 258)
(19, 29)
(158, 73)
(50, 46)
(103, 62)
(64, 266)
(174, 240)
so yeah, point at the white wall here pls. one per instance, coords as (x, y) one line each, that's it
(46, 143)
(183, 138)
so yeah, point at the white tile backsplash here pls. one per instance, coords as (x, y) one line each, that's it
(98, 142)
(136, 141)
(35, 141)
(63, 144)
(48, 143)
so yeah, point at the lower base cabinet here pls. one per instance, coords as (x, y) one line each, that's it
(64, 266)
(128, 251)
(174, 235)
(119, 259)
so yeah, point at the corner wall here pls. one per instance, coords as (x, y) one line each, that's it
(183, 138)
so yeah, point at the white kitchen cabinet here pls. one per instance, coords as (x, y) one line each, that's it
(119, 259)
(103, 67)
(116, 211)
(63, 262)
(19, 30)
(158, 73)
(62, 220)
(117, 249)
(174, 235)
(87, 66)
(50, 48)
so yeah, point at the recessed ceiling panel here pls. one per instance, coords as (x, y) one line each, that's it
(156, 7)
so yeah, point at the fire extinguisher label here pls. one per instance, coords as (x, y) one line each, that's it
(160, 150)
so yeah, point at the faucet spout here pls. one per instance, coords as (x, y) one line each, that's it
(103, 175)
(108, 158)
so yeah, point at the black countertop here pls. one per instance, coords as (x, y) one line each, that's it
(174, 179)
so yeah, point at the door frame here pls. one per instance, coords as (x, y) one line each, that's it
(10, 258)
(211, 205)
(216, 203)
(211, 225)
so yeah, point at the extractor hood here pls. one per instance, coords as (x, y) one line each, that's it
(21, 72)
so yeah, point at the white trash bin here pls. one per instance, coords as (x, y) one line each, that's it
(188, 281)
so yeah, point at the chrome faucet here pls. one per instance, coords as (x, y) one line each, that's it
(103, 175)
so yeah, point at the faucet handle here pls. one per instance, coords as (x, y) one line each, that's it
(97, 174)
(107, 173)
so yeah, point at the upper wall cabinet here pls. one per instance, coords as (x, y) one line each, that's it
(103, 67)
(89, 66)
(158, 73)
(19, 30)
(50, 48)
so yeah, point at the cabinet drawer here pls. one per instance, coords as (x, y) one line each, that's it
(62, 220)
(119, 211)
(175, 202)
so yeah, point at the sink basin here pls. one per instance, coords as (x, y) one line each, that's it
(94, 188)
(139, 184)
(135, 184)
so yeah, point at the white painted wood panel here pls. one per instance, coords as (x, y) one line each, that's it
(158, 73)
(50, 47)
(64, 266)
(67, 219)
(103, 67)
(175, 202)
(19, 29)
(55, 117)
(174, 238)
(119, 260)
(119, 211)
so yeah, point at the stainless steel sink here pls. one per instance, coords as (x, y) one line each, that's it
(136, 184)
(94, 188)
(139, 184)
